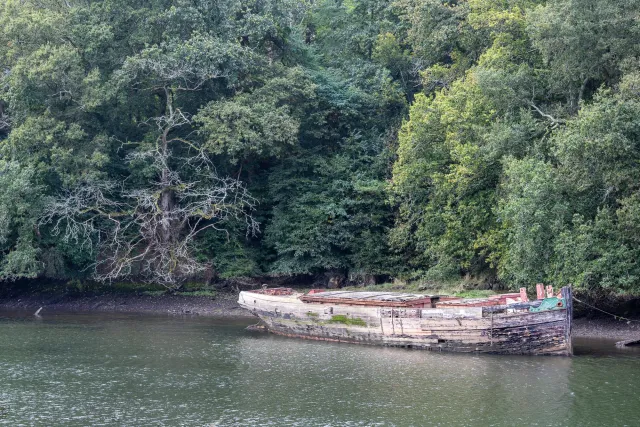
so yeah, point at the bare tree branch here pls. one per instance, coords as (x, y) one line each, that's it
(554, 122)
(136, 236)
(149, 232)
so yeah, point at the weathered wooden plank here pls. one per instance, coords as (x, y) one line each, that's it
(538, 345)
(368, 298)
(543, 332)
(567, 294)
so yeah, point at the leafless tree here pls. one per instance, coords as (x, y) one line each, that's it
(149, 231)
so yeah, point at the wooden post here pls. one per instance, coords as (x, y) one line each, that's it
(491, 336)
(549, 291)
(523, 295)
(568, 301)
(540, 291)
(393, 326)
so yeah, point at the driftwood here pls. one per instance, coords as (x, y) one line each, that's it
(257, 327)
(628, 343)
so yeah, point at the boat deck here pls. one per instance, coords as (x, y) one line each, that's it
(381, 299)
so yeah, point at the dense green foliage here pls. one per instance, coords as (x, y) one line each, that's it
(523, 166)
(420, 139)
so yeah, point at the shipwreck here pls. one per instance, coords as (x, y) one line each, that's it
(500, 324)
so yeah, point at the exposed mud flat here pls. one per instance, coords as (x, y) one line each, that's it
(606, 328)
(223, 305)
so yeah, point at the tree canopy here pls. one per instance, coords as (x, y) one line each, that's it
(419, 139)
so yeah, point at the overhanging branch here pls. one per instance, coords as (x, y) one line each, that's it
(554, 122)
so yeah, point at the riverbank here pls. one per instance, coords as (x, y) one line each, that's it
(224, 304)
(606, 328)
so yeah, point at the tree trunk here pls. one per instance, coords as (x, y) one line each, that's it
(168, 222)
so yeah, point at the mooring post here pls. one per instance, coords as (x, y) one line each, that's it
(523, 295)
(568, 301)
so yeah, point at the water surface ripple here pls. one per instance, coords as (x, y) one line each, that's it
(128, 370)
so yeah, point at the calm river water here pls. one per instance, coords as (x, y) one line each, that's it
(127, 370)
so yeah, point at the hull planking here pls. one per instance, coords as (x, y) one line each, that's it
(502, 329)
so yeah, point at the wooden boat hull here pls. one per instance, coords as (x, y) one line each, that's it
(459, 329)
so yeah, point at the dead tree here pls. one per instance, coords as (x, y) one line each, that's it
(149, 231)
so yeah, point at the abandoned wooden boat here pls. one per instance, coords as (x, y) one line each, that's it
(502, 324)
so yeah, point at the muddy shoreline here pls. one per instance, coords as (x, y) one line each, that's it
(225, 305)
(222, 305)
(604, 327)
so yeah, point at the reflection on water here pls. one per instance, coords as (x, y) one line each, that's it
(143, 370)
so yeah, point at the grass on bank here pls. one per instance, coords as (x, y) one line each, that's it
(80, 287)
(189, 289)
